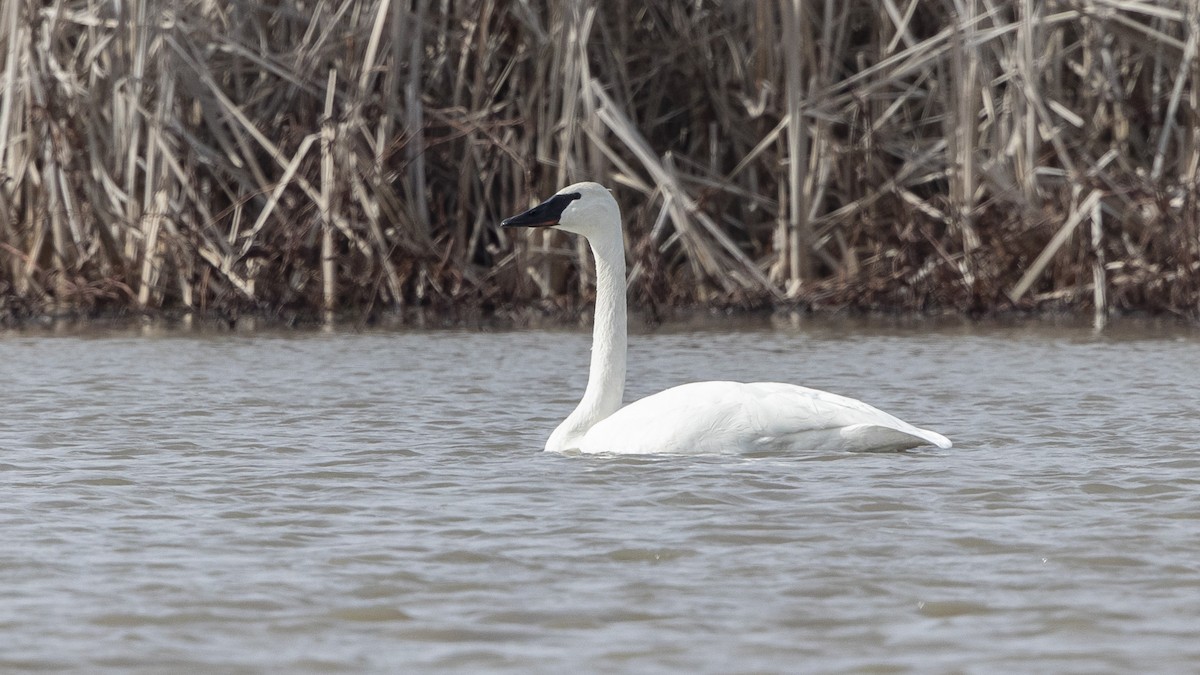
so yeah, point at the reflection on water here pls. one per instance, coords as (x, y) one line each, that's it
(378, 502)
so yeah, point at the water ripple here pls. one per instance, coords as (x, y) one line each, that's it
(378, 503)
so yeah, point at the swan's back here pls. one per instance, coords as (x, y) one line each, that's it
(735, 417)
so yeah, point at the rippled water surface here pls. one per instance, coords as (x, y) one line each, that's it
(379, 502)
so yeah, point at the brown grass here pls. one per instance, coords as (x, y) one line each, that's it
(309, 157)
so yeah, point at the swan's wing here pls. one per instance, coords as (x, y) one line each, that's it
(708, 417)
(862, 426)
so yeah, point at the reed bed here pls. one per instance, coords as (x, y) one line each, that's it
(312, 157)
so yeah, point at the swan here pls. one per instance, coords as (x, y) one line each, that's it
(700, 417)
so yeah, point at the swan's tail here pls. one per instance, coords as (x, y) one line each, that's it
(876, 438)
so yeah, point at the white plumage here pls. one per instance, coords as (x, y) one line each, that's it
(701, 417)
(722, 417)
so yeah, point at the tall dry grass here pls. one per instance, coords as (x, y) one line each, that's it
(308, 156)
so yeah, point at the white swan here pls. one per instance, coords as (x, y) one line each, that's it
(701, 417)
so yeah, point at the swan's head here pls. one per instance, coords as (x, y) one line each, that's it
(588, 209)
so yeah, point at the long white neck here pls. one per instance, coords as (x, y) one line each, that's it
(606, 379)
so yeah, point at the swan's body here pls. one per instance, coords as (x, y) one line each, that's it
(701, 417)
(716, 417)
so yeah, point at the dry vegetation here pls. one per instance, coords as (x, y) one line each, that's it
(355, 155)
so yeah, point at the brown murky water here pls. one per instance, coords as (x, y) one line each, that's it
(379, 503)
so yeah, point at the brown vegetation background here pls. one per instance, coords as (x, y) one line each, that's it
(300, 156)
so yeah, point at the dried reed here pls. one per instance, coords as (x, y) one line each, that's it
(310, 156)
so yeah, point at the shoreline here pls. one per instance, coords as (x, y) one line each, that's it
(701, 319)
(938, 169)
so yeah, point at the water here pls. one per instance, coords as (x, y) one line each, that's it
(378, 502)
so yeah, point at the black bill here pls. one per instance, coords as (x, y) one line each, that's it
(545, 214)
